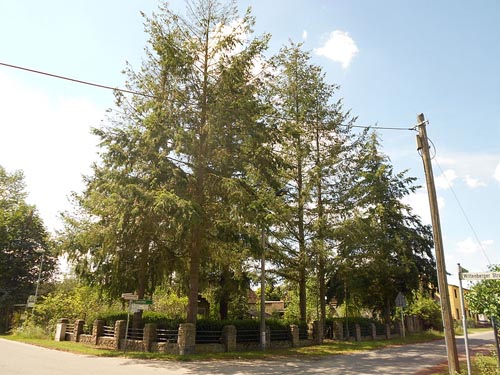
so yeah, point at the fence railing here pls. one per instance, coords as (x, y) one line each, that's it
(280, 335)
(70, 328)
(108, 331)
(251, 335)
(167, 335)
(208, 337)
(135, 333)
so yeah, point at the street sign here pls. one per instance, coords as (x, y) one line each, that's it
(400, 300)
(31, 301)
(480, 276)
(130, 297)
(142, 302)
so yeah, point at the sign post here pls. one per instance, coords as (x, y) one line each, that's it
(461, 272)
(466, 275)
(401, 302)
(128, 297)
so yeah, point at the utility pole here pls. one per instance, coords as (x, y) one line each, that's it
(263, 291)
(449, 334)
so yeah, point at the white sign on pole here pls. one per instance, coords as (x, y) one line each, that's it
(130, 297)
(480, 276)
(400, 300)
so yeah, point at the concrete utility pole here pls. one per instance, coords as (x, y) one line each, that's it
(449, 334)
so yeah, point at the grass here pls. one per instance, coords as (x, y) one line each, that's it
(328, 348)
(481, 364)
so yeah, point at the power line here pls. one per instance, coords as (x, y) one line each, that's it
(76, 80)
(464, 213)
(413, 128)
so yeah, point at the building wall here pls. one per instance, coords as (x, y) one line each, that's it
(456, 307)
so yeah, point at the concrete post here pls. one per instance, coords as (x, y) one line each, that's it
(61, 329)
(78, 329)
(358, 332)
(187, 338)
(119, 336)
(294, 334)
(268, 336)
(97, 331)
(229, 338)
(149, 336)
(374, 331)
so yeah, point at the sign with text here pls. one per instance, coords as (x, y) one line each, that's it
(130, 297)
(480, 275)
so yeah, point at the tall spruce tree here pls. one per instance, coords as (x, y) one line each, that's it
(175, 184)
(383, 247)
(317, 147)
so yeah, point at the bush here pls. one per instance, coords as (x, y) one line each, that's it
(31, 331)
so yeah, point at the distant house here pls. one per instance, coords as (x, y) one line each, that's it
(272, 307)
(456, 307)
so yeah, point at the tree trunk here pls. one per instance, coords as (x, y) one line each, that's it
(194, 275)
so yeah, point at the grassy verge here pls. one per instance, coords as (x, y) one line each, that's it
(481, 364)
(328, 348)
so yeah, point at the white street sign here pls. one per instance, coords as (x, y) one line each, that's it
(480, 275)
(130, 296)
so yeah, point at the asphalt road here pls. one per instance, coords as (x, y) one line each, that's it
(22, 359)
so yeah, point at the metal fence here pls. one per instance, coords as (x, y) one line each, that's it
(208, 337)
(280, 334)
(251, 335)
(135, 333)
(108, 331)
(167, 335)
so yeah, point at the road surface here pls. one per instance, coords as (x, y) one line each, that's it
(21, 359)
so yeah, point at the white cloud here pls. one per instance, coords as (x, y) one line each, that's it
(445, 181)
(469, 246)
(419, 202)
(304, 34)
(496, 175)
(473, 183)
(339, 47)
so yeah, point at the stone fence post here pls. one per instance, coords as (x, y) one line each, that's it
(294, 334)
(61, 329)
(120, 327)
(317, 332)
(229, 338)
(338, 330)
(97, 331)
(358, 332)
(187, 338)
(149, 336)
(78, 329)
(374, 331)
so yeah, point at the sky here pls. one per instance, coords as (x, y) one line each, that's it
(392, 60)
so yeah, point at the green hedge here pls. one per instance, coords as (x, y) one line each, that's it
(163, 322)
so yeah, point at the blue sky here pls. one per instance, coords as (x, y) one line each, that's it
(393, 60)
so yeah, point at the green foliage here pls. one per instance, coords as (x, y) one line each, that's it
(22, 236)
(383, 248)
(169, 304)
(484, 296)
(72, 301)
(110, 317)
(30, 331)
(428, 309)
